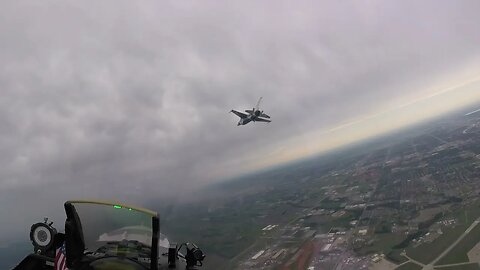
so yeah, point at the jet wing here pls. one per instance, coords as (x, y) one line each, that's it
(249, 111)
(264, 115)
(263, 120)
(239, 114)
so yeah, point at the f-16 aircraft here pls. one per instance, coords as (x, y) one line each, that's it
(255, 115)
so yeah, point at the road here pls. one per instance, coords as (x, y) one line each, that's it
(410, 260)
(451, 265)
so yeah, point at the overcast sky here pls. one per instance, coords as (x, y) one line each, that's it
(130, 100)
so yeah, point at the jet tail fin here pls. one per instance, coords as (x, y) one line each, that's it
(258, 103)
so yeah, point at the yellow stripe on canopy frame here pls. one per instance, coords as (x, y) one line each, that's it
(113, 204)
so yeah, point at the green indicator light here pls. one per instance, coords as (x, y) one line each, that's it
(130, 209)
(117, 206)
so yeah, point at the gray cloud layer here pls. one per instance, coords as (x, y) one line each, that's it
(130, 100)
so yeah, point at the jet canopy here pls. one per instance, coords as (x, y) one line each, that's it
(106, 229)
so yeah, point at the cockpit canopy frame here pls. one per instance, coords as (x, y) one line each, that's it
(74, 234)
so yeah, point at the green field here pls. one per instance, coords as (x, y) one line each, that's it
(409, 266)
(459, 253)
(396, 257)
(471, 266)
(383, 243)
(427, 252)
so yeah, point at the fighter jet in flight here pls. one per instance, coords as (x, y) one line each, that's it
(255, 115)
